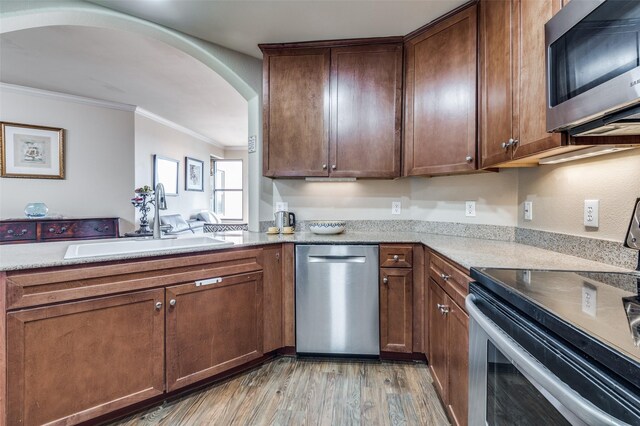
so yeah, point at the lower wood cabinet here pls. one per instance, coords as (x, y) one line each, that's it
(212, 328)
(396, 310)
(448, 336)
(272, 274)
(72, 362)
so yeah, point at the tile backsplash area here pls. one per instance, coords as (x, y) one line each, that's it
(609, 252)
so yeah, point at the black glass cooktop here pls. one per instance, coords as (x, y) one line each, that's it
(585, 307)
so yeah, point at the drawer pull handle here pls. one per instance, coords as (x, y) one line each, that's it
(102, 229)
(209, 281)
(12, 233)
(62, 230)
(444, 309)
(445, 277)
(396, 257)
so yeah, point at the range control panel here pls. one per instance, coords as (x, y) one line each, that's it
(633, 235)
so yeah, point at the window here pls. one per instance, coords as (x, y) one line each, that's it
(227, 189)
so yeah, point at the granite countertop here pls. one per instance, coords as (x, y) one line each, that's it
(466, 252)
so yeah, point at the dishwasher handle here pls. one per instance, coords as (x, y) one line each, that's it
(336, 259)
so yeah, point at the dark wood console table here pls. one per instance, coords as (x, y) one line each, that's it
(57, 229)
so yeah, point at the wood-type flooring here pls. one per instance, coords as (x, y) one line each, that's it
(289, 391)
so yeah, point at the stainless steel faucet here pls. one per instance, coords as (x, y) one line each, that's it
(160, 203)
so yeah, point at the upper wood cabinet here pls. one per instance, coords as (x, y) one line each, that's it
(512, 82)
(440, 100)
(333, 110)
(296, 112)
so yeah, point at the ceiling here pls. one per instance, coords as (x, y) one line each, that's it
(123, 67)
(127, 68)
(242, 24)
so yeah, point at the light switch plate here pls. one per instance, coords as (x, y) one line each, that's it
(282, 206)
(469, 208)
(528, 210)
(589, 299)
(591, 213)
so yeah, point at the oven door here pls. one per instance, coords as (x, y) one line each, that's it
(518, 374)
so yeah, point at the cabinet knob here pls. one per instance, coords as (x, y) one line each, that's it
(333, 167)
(324, 167)
(445, 277)
(172, 302)
(469, 158)
(385, 280)
(10, 231)
(395, 257)
(158, 306)
(515, 142)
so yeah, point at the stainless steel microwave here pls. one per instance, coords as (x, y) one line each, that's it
(593, 68)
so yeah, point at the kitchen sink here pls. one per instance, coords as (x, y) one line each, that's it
(110, 248)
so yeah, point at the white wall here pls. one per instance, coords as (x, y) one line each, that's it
(154, 138)
(558, 193)
(99, 159)
(442, 199)
(439, 199)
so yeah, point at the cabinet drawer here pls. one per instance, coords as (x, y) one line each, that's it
(101, 228)
(17, 231)
(396, 256)
(450, 278)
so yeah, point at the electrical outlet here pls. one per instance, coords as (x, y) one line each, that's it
(589, 299)
(591, 213)
(282, 206)
(396, 207)
(528, 210)
(470, 208)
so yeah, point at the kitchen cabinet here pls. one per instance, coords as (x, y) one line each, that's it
(272, 285)
(212, 327)
(396, 298)
(333, 109)
(512, 82)
(440, 97)
(47, 229)
(72, 362)
(449, 336)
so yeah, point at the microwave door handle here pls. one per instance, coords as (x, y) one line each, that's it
(580, 407)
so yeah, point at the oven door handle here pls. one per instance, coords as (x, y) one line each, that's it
(580, 407)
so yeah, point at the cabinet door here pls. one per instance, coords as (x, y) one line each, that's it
(458, 374)
(396, 310)
(296, 112)
(496, 82)
(366, 111)
(72, 362)
(212, 328)
(530, 75)
(440, 120)
(438, 339)
(272, 292)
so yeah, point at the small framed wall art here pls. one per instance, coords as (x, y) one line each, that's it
(165, 171)
(30, 151)
(193, 174)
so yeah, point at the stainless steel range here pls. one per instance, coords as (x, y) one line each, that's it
(553, 348)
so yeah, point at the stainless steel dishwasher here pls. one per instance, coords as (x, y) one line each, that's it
(337, 308)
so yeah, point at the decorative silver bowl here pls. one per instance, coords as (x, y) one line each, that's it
(326, 226)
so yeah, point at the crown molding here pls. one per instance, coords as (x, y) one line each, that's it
(151, 116)
(110, 105)
(66, 97)
(236, 148)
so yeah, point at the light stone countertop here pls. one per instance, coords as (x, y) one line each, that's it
(467, 252)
